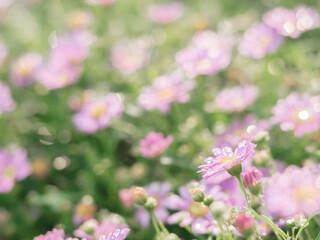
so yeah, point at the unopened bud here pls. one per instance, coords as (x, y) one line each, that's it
(244, 223)
(262, 158)
(151, 203)
(218, 209)
(139, 195)
(261, 137)
(291, 222)
(89, 227)
(252, 180)
(197, 194)
(208, 200)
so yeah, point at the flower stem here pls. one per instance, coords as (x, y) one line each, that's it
(156, 227)
(163, 228)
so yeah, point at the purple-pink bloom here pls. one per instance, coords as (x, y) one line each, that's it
(55, 76)
(164, 91)
(100, 2)
(165, 13)
(6, 102)
(158, 191)
(23, 69)
(154, 144)
(107, 228)
(237, 99)
(294, 22)
(207, 53)
(296, 191)
(239, 130)
(259, 40)
(79, 19)
(14, 166)
(192, 213)
(296, 112)
(97, 113)
(224, 158)
(130, 56)
(55, 234)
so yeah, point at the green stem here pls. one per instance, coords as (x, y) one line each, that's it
(257, 233)
(221, 229)
(163, 228)
(292, 233)
(156, 227)
(228, 230)
(257, 215)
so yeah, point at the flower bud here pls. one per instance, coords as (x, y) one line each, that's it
(256, 202)
(151, 203)
(197, 194)
(218, 209)
(244, 223)
(252, 180)
(208, 200)
(139, 195)
(89, 227)
(261, 137)
(234, 213)
(262, 158)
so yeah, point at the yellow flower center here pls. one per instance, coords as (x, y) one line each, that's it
(305, 193)
(98, 110)
(24, 68)
(265, 40)
(9, 172)
(166, 94)
(204, 64)
(227, 160)
(198, 210)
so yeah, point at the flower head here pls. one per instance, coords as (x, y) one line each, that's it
(294, 22)
(297, 112)
(252, 180)
(79, 19)
(259, 40)
(226, 159)
(237, 99)
(7, 104)
(55, 234)
(24, 68)
(293, 192)
(154, 144)
(117, 234)
(14, 166)
(164, 91)
(97, 113)
(165, 13)
(207, 53)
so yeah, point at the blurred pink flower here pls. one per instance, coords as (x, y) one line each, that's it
(259, 40)
(293, 192)
(239, 130)
(158, 191)
(14, 166)
(55, 76)
(154, 144)
(237, 99)
(100, 2)
(23, 69)
(126, 197)
(97, 113)
(294, 22)
(165, 13)
(55, 234)
(207, 53)
(6, 102)
(104, 229)
(297, 112)
(164, 91)
(79, 19)
(130, 56)
(224, 159)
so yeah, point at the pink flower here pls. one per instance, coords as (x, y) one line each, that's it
(237, 99)
(259, 40)
(207, 53)
(126, 197)
(6, 102)
(224, 159)
(106, 228)
(293, 192)
(55, 76)
(24, 68)
(297, 112)
(55, 234)
(100, 2)
(79, 19)
(165, 13)
(97, 113)
(14, 166)
(294, 22)
(244, 223)
(130, 56)
(164, 91)
(154, 144)
(159, 191)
